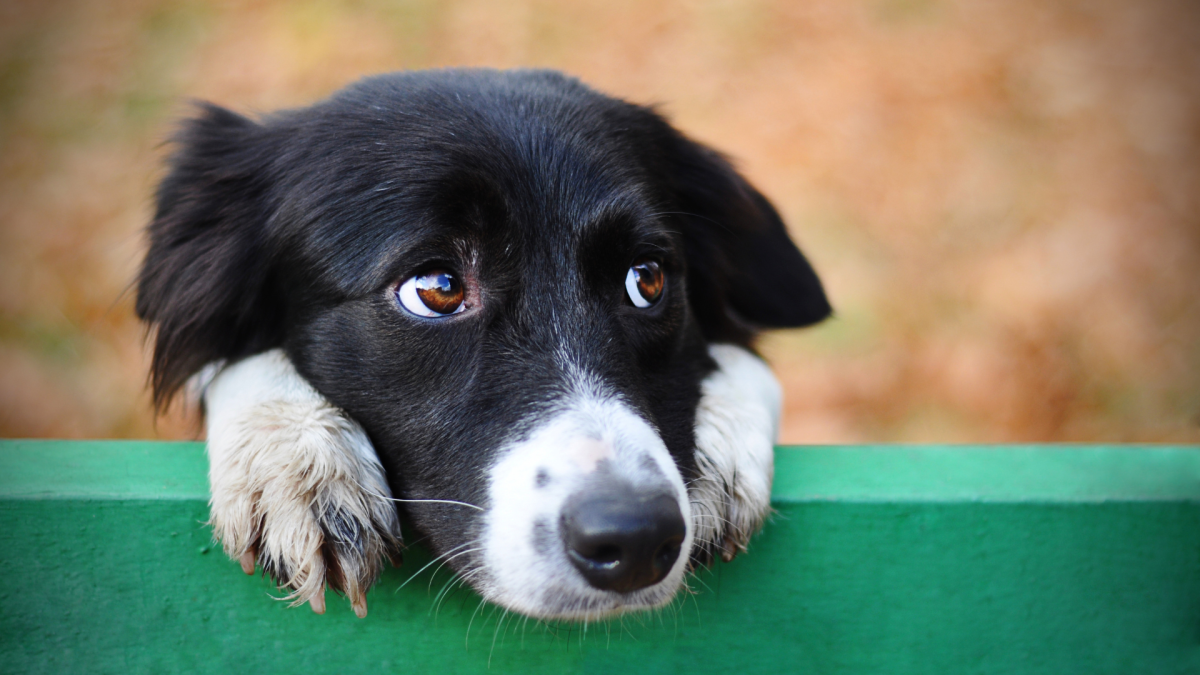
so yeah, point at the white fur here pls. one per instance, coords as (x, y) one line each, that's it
(588, 430)
(282, 460)
(737, 423)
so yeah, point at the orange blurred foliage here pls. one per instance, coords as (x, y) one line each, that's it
(1003, 198)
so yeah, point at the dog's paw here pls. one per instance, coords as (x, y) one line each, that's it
(737, 422)
(296, 485)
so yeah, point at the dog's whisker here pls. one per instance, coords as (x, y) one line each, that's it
(467, 639)
(492, 612)
(432, 562)
(524, 625)
(448, 559)
(435, 501)
(437, 599)
(448, 587)
(420, 501)
(494, 634)
(702, 582)
(462, 580)
(713, 516)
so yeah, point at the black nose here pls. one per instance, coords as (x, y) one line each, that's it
(622, 539)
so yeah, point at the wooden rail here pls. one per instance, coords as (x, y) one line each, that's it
(898, 559)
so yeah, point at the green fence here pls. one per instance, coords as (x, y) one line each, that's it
(900, 559)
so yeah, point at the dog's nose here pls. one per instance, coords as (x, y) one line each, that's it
(622, 539)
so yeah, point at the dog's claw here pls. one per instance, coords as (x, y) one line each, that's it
(326, 563)
(729, 549)
(360, 606)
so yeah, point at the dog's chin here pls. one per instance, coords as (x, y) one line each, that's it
(577, 602)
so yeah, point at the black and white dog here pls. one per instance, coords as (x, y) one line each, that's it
(521, 307)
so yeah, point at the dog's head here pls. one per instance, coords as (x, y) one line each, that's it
(513, 283)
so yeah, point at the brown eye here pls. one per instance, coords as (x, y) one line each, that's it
(644, 283)
(432, 294)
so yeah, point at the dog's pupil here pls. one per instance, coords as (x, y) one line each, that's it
(649, 279)
(440, 291)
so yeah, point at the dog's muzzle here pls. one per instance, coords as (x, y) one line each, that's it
(588, 516)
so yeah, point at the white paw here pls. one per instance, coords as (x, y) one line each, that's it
(296, 484)
(737, 423)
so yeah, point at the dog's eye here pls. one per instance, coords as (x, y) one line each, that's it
(644, 283)
(432, 294)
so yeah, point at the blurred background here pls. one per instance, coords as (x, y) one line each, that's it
(1003, 198)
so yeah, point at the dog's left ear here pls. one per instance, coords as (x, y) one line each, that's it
(744, 272)
(205, 286)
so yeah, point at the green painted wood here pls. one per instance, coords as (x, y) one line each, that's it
(130, 470)
(908, 559)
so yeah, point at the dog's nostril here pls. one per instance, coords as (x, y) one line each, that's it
(606, 555)
(621, 539)
(668, 553)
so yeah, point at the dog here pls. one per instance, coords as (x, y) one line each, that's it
(517, 310)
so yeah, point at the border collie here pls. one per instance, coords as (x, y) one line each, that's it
(515, 308)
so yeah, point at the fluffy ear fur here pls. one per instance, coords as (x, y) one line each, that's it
(205, 285)
(745, 273)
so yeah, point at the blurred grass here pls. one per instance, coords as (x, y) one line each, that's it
(1003, 198)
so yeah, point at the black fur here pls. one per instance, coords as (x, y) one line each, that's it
(294, 231)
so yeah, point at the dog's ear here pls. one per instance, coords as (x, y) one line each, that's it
(204, 285)
(744, 271)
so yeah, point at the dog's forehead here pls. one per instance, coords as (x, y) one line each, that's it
(511, 127)
(532, 169)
